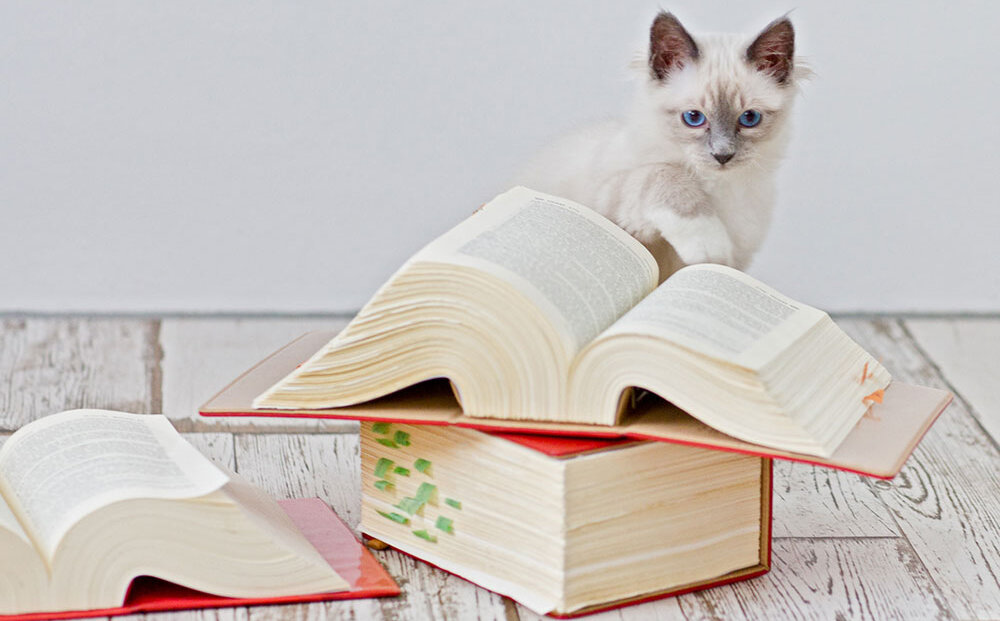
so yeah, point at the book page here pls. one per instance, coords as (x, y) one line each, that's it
(267, 515)
(8, 521)
(721, 312)
(569, 260)
(58, 469)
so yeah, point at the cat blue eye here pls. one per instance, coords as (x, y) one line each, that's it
(693, 118)
(750, 118)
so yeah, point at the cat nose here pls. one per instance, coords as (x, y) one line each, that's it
(722, 158)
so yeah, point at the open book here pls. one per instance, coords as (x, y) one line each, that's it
(566, 526)
(91, 500)
(537, 308)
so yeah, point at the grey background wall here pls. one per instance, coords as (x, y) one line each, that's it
(288, 156)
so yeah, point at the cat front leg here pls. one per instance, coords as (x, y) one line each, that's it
(696, 238)
(667, 203)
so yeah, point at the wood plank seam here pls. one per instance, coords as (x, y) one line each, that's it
(878, 486)
(195, 426)
(944, 379)
(917, 565)
(155, 367)
(510, 610)
(236, 458)
(838, 537)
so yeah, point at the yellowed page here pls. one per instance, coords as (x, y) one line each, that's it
(720, 312)
(9, 521)
(268, 517)
(571, 262)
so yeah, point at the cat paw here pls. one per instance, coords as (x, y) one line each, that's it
(704, 240)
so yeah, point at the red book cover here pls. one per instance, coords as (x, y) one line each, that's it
(320, 525)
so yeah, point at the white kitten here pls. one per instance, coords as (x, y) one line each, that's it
(690, 171)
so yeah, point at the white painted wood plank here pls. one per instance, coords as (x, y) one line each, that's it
(828, 579)
(667, 609)
(428, 593)
(328, 466)
(810, 501)
(946, 500)
(208, 614)
(218, 447)
(201, 356)
(967, 351)
(48, 365)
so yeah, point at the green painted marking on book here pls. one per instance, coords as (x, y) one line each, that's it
(451, 502)
(445, 524)
(410, 505)
(380, 427)
(395, 517)
(402, 438)
(422, 465)
(386, 442)
(401, 471)
(425, 492)
(384, 485)
(382, 467)
(423, 534)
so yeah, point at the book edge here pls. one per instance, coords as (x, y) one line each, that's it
(263, 362)
(747, 573)
(762, 567)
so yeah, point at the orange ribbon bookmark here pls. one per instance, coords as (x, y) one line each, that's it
(875, 397)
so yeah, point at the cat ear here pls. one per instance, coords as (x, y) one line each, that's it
(772, 50)
(670, 46)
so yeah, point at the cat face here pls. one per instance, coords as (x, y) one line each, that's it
(722, 101)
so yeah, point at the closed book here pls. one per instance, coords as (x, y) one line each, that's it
(566, 526)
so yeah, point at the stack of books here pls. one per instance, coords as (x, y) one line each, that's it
(597, 439)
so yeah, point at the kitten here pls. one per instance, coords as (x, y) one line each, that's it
(690, 171)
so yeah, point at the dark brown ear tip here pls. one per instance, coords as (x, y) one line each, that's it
(665, 15)
(782, 23)
(773, 49)
(785, 22)
(664, 21)
(670, 45)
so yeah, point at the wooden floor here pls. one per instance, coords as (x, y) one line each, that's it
(925, 545)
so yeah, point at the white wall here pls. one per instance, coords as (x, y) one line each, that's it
(235, 156)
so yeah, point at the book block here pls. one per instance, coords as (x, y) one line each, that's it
(566, 526)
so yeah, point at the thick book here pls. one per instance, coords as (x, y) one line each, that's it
(877, 446)
(566, 526)
(107, 513)
(537, 308)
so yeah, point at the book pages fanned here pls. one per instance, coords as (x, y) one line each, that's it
(320, 525)
(98, 507)
(877, 446)
(536, 308)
